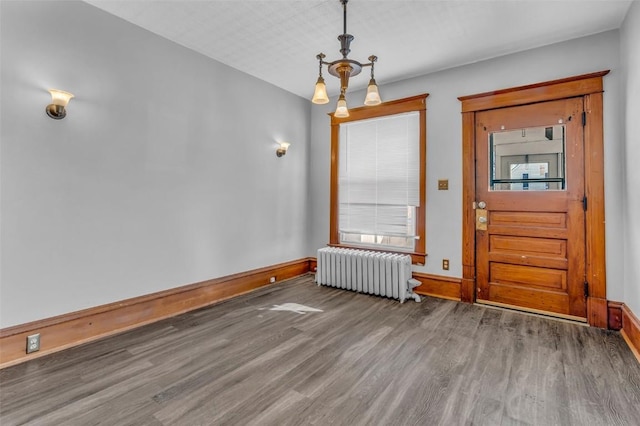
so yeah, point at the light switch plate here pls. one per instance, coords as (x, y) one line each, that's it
(443, 184)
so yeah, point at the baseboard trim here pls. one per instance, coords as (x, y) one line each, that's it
(431, 285)
(75, 328)
(614, 315)
(631, 330)
(438, 286)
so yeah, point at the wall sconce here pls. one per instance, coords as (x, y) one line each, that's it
(283, 149)
(60, 99)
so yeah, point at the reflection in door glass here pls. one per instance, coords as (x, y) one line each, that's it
(530, 159)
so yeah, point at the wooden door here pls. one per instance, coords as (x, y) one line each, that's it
(530, 220)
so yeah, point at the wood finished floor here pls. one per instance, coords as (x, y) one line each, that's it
(362, 361)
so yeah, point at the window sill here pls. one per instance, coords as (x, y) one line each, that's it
(416, 258)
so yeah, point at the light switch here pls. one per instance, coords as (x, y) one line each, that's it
(443, 184)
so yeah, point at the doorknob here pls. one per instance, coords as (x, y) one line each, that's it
(482, 205)
(482, 219)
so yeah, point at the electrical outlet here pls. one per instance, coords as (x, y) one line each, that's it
(445, 264)
(33, 343)
(272, 280)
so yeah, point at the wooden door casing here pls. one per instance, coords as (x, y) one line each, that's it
(590, 88)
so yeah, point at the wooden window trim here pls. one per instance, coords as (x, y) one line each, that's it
(415, 103)
(590, 88)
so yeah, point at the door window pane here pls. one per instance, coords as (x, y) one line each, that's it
(530, 159)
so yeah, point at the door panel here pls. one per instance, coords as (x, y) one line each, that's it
(532, 276)
(528, 246)
(541, 252)
(530, 180)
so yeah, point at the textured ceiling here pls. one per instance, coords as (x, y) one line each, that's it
(277, 40)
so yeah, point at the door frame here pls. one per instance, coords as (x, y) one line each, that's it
(590, 88)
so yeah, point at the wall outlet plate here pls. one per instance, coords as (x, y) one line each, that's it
(445, 264)
(33, 343)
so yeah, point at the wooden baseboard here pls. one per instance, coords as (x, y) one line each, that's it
(438, 286)
(431, 285)
(72, 329)
(614, 315)
(631, 330)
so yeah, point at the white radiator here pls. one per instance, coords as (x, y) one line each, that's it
(382, 274)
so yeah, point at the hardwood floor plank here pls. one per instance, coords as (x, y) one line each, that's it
(360, 360)
(228, 390)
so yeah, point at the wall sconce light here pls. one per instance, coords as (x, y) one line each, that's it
(60, 99)
(283, 149)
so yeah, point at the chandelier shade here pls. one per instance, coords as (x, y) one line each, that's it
(344, 69)
(373, 96)
(341, 109)
(320, 94)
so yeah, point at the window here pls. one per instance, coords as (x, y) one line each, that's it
(378, 178)
(379, 181)
(530, 159)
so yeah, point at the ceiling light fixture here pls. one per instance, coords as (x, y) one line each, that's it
(344, 69)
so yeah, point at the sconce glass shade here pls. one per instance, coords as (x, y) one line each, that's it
(341, 109)
(59, 100)
(283, 149)
(60, 97)
(320, 94)
(373, 96)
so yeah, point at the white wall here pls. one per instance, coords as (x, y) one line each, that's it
(444, 146)
(630, 58)
(164, 172)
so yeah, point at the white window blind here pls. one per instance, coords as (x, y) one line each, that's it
(379, 176)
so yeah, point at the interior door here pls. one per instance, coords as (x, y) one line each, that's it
(530, 229)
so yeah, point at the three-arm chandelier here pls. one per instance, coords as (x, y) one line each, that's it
(343, 69)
